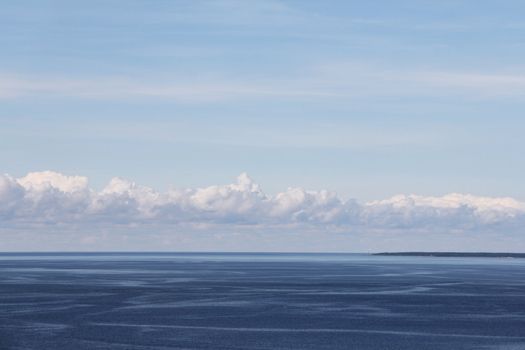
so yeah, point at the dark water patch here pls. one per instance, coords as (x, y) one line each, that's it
(222, 301)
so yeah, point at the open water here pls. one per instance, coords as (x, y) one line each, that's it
(141, 301)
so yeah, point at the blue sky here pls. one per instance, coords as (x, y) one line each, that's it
(368, 99)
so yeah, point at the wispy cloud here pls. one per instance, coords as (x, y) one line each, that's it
(329, 81)
(117, 88)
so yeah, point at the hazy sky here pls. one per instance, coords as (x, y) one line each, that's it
(365, 98)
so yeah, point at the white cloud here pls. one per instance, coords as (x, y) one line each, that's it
(50, 198)
(49, 180)
(453, 210)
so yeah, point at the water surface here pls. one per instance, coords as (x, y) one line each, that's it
(259, 301)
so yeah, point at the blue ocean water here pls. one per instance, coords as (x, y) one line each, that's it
(259, 301)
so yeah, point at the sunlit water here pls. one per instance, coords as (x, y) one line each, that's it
(260, 301)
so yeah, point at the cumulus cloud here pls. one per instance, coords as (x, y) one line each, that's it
(50, 198)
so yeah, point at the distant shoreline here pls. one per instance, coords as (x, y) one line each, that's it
(455, 254)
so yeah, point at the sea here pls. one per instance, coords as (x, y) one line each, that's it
(139, 301)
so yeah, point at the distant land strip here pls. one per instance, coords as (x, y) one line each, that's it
(456, 254)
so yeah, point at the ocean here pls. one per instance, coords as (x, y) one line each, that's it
(138, 301)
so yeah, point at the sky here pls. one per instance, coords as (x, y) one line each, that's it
(364, 126)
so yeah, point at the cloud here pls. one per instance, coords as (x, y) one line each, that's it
(331, 81)
(460, 211)
(117, 88)
(50, 198)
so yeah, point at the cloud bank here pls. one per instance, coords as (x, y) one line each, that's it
(53, 199)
